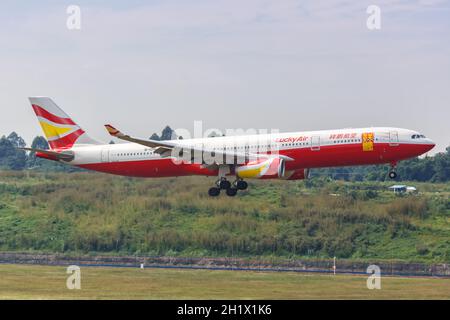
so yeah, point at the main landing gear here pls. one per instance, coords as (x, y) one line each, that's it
(392, 172)
(241, 184)
(213, 192)
(231, 189)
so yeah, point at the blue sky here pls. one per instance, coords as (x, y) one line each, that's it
(290, 65)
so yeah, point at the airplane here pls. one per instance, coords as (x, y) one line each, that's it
(288, 156)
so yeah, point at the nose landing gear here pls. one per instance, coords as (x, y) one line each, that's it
(392, 172)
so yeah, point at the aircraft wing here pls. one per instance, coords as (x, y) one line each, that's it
(148, 143)
(165, 148)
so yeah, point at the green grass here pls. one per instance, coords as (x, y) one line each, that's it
(49, 282)
(318, 218)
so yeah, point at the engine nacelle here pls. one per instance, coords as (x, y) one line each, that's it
(272, 168)
(298, 174)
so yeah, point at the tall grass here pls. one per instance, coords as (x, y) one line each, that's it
(100, 213)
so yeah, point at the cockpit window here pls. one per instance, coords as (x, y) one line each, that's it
(417, 136)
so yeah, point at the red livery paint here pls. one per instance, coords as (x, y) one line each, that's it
(49, 116)
(66, 142)
(150, 168)
(327, 156)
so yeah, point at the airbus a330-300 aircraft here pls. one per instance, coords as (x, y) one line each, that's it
(287, 156)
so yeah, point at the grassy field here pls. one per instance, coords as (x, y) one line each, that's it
(97, 213)
(49, 282)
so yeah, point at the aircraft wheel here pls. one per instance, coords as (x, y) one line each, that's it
(392, 174)
(224, 184)
(213, 192)
(242, 185)
(231, 192)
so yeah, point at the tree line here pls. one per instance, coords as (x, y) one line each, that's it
(427, 169)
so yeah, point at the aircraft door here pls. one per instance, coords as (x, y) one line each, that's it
(315, 143)
(393, 138)
(105, 155)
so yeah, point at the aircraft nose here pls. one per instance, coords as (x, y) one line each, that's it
(430, 144)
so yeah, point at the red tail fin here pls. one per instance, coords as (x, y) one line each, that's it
(59, 129)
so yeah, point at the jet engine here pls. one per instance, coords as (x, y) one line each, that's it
(272, 168)
(298, 174)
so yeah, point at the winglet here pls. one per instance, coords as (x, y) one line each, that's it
(113, 131)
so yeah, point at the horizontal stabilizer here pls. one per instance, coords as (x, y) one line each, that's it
(65, 155)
